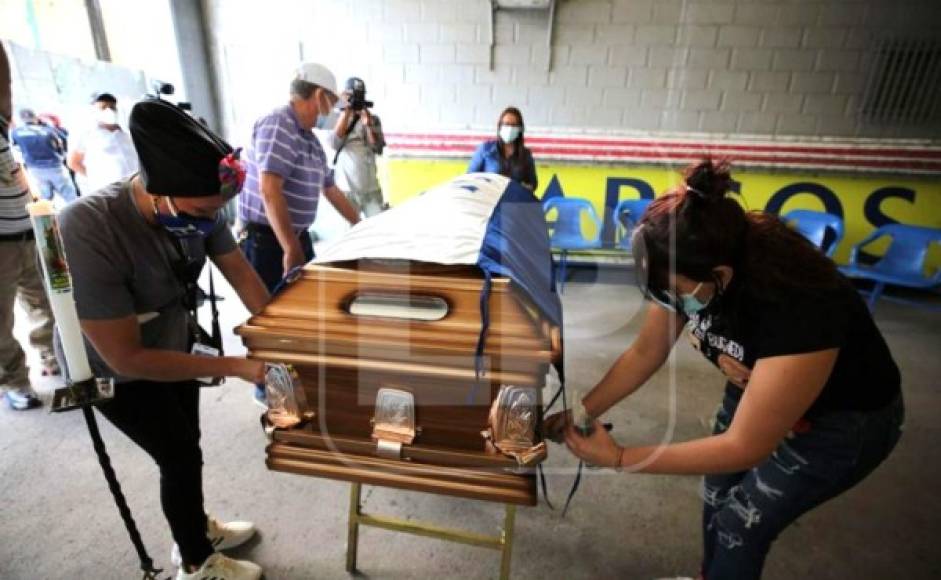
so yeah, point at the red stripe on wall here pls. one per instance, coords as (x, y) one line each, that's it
(868, 150)
(686, 157)
(861, 156)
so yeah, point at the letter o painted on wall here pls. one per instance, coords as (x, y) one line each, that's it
(831, 202)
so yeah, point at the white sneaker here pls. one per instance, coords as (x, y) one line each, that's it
(219, 567)
(222, 535)
(22, 398)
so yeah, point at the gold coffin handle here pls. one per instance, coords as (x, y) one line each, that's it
(555, 340)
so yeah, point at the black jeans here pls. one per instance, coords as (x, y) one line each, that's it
(163, 419)
(264, 253)
(744, 512)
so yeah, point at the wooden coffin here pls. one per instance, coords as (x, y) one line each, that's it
(344, 352)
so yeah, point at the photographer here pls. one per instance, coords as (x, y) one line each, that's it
(357, 139)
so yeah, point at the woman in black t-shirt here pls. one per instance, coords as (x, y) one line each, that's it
(812, 403)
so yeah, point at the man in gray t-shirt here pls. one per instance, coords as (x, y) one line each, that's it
(135, 252)
(115, 252)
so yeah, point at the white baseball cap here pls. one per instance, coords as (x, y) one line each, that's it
(317, 74)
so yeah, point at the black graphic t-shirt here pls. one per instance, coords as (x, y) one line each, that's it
(743, 329)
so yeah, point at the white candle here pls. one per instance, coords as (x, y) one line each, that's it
(58, 282)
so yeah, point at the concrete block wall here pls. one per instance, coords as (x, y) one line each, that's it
(63, 85)
(762, 67)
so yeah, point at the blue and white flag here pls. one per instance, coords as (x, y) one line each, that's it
(478, 219)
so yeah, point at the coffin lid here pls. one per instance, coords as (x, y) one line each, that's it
(479, 219)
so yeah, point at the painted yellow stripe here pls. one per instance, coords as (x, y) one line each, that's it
(913, 200)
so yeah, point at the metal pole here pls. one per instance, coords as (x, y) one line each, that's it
(352, 538)
(97, 24)
(506, 538)
(490, 33)
(549, 35)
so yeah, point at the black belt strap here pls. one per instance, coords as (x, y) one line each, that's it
(216, 332)
(542, 483)
(578, 480)
(345, 138)
(254, 228)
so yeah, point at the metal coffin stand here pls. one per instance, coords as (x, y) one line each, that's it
(421, 339)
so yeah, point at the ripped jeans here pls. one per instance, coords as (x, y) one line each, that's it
(744, 512)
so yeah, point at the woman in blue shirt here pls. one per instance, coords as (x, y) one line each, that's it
(507, 155)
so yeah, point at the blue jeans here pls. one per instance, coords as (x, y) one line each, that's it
(744, 512)
(264, 253)
(53, 180)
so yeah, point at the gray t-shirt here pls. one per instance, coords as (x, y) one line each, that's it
(121, 265)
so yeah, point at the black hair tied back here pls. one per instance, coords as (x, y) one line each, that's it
(708, 180)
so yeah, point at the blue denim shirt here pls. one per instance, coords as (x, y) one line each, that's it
(487, 159)
(40, 145)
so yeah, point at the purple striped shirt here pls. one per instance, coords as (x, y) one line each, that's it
(281, 146)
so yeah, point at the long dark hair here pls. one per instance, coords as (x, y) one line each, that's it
(697, 227)
(518, 158)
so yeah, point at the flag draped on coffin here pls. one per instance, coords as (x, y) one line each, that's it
(477, 219)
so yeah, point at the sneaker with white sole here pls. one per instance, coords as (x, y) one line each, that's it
(222, 535)
(219, 567)
(22, 398)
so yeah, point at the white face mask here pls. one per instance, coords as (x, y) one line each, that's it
(509, 133)
(106, 117)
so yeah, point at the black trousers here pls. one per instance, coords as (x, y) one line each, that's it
(163, 419)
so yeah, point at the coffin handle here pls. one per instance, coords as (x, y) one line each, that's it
(555, 340)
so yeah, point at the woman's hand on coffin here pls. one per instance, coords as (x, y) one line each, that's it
(250, 370)
(553, 426)
(598, 449)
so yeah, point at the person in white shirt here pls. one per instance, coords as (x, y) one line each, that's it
(104, 154)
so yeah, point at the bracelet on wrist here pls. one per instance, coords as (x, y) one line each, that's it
(619, 463)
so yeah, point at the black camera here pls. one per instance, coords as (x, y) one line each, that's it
(357, 94)
(161, 88)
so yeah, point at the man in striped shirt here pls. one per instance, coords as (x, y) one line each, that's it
(286, 174)
(20, 273)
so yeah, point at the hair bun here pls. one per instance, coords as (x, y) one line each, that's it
(708, 180)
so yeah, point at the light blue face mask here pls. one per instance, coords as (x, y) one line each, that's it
(690, 304)
(509, 133)
(325, 120)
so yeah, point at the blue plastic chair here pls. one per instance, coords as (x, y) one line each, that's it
(567, 229)
(903, 263)
(813, 225)
(626, 215)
